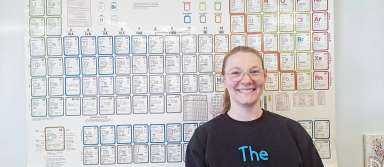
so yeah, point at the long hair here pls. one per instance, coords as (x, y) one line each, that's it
(227, 99)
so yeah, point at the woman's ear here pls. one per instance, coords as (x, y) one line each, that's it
(265, 73)
(224, 83)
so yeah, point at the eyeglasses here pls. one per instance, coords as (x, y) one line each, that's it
(238, 75)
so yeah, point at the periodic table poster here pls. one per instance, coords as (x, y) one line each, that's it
(126, 82)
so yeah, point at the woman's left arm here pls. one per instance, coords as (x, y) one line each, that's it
(309, 155)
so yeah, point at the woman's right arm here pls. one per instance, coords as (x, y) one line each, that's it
(195, 154)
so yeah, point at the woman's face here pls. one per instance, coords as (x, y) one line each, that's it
(244, 78)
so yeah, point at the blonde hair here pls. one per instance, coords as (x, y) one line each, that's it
(227, 100)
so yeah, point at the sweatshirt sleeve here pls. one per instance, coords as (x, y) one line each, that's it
(309, 155)
(195, 154)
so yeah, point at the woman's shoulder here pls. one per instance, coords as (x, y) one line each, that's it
(294, 127)
(212, 123)
(282, 120)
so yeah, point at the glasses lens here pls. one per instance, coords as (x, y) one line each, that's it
(238, 76)
(235, 76)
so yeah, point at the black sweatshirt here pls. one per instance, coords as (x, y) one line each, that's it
(269, 141)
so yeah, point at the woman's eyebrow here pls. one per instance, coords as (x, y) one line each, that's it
(255, 67)
(235, 68)
(252, 68)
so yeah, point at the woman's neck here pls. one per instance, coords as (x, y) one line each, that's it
(245, 113)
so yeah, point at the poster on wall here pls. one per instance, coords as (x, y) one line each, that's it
(113, 82)
(374, 150)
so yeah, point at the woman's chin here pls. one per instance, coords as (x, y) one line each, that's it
(248, 101)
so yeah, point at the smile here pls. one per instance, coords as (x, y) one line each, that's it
(246, 90)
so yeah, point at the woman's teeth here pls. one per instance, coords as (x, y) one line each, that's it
(246, 90)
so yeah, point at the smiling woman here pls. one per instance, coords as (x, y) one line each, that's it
(245, 134)
(244, 79)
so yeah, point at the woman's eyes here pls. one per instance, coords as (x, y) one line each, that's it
(235, 72)
(254, 72)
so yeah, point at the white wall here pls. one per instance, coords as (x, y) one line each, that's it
(359, 33)
(12, 84)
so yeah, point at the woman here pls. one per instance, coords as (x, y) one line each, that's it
(245, 134)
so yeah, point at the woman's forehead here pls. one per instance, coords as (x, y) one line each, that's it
(244, 59)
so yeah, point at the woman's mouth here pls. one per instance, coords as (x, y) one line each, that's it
(246, 90)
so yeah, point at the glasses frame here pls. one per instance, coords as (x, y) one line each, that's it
(251, 76)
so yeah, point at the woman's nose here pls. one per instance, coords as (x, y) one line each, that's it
(246, 78)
